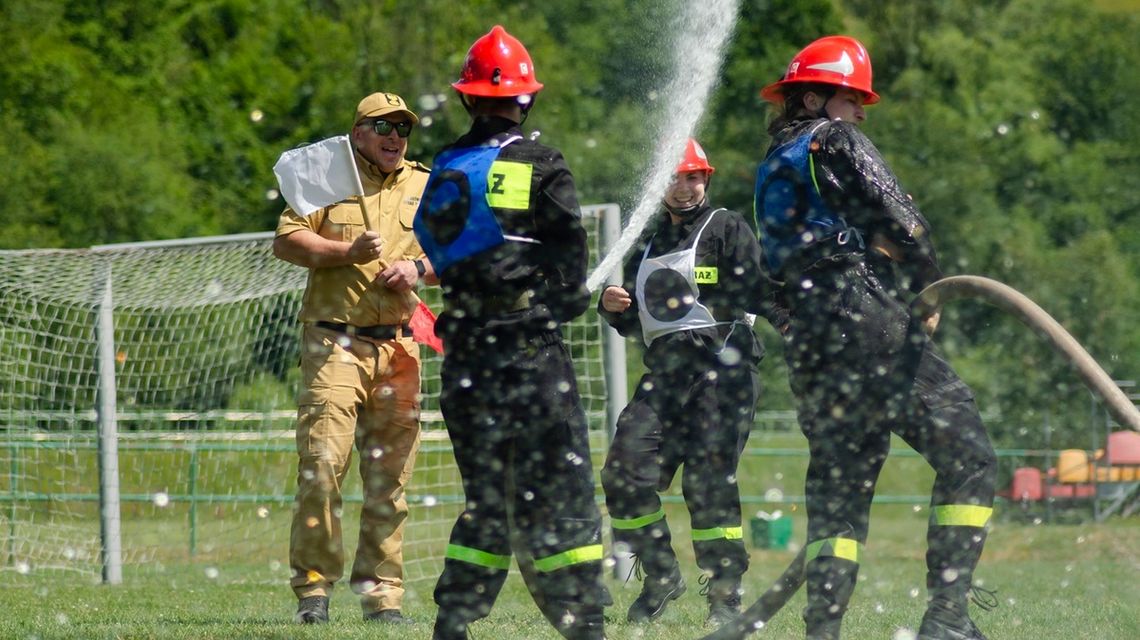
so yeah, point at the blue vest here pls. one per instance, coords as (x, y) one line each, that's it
(790, 213)
(454, 220)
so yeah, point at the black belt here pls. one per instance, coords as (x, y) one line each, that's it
(376, 331)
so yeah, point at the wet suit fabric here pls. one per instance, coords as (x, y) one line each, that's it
(509, 396)
(862, 368)
(695, 405)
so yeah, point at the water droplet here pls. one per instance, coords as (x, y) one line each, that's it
(730, 356)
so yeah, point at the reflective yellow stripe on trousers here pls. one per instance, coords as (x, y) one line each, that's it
(477, 557)
(627, 524)
(845, 548)
(961, 515)
(591, 553)
(717, 533)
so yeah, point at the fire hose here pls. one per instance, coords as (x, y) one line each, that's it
(932, 298)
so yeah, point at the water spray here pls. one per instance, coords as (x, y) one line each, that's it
(933, 297)
(703, 29)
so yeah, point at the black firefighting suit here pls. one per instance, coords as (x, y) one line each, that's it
(695, 405)
(862, 367)
(509, 395)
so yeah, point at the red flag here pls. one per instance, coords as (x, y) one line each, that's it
(423, 327)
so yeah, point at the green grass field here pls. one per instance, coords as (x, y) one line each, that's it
(1053, 581)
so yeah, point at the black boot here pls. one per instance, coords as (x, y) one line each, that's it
(465, 593)
(657, 591)
(449, 628)
(312, 610)
(724, 600)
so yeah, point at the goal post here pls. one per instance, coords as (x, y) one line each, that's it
(148, 400)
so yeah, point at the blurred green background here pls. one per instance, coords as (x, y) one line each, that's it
(1015, 125)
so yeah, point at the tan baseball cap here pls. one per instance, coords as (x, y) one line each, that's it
(380, 104)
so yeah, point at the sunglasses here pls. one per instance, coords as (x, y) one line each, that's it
(383, 128)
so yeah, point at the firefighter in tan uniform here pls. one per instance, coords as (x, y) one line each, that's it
(360, 368)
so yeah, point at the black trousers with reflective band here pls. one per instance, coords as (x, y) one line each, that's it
(520, 439)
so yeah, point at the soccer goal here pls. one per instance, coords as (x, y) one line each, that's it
(147, 405)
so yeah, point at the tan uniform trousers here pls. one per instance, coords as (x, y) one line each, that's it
(363, 392)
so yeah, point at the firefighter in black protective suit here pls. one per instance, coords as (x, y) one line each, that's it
(501, 222)
(852, 249)
(691, 289)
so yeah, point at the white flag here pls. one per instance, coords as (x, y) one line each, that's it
(317, 175)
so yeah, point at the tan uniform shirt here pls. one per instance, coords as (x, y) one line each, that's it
(350, 293)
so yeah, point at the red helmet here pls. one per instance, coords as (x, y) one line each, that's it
(497, 66)
(836, 60)
(694, 159)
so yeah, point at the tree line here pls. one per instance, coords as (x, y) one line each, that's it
(1014, 124)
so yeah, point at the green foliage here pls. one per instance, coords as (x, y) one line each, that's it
(1014, 124)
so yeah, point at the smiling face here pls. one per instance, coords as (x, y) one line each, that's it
(384, 151)
(686, 190)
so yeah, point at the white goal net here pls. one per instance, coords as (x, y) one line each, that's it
(186, 353)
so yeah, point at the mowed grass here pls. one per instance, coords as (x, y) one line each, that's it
(1053, 581)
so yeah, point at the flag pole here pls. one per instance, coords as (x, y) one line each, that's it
(359, 184)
